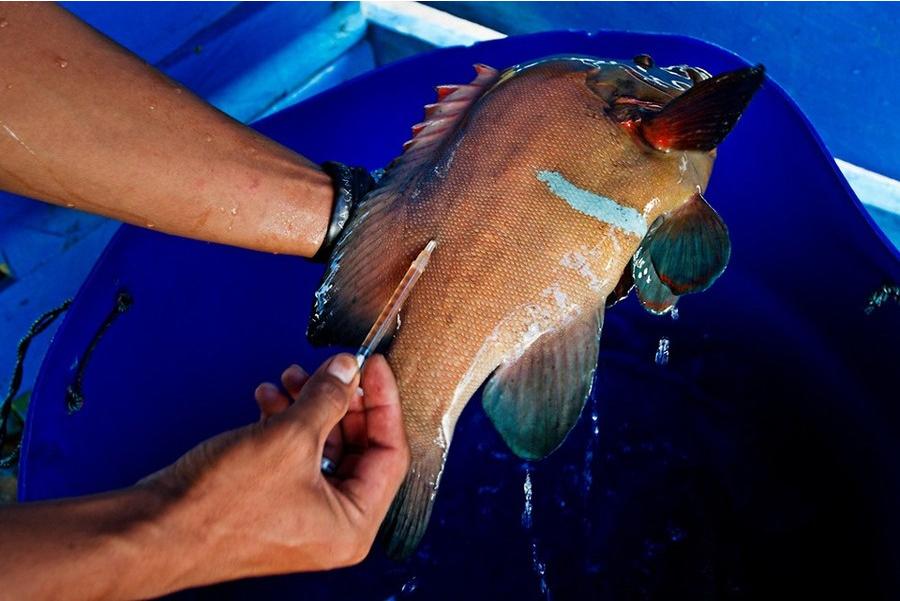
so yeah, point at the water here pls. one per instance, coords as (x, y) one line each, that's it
(588, 473)
(662, 351)
(537, 565)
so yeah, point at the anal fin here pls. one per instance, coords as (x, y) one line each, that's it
(535, 400)
(407, 519)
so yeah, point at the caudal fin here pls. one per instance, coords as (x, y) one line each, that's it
(405, 524)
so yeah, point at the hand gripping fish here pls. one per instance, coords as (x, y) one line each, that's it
(552, 189)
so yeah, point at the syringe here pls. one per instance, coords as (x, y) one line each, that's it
(388, 316)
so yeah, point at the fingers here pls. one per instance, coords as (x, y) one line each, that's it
(375, 475)
(271, 401)
(293, 379)
(324, 399)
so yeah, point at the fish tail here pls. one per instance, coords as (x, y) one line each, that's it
(408, 516)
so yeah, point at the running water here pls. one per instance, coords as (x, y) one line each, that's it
(674, 313)
(539, 567)
(662, 352)
(588, 473)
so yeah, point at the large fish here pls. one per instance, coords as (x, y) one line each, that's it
(552, 189)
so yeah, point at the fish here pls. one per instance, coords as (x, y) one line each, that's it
(553, 189)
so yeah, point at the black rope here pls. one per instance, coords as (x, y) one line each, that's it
(39, 325)
(75, 391)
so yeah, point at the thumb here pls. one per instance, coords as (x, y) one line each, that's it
(325, 397)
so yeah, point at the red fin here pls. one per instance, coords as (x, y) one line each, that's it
(700, 118)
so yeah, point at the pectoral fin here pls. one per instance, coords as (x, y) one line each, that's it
(690, 248)
(623, 288)
(655, 296)
(535, 400)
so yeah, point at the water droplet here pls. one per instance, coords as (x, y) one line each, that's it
(3, 23)
(409, 586)
(70, 205)
(9, 86)
(234, 210)
(674, 313)
(209, 138)
(152, 107)
(151, 225)
(662, 351)
(177, 90)
(63, 63)
(676, 534)
(527, 509)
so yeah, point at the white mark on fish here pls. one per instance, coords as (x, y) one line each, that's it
(593, 205)
(578, 262)
(649, 207)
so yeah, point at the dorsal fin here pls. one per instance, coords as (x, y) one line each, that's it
(374, 251)
(700, 118)
(441, 118)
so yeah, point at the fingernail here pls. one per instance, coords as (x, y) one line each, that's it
(343, 367)
(266, 392)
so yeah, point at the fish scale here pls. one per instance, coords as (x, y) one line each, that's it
(523, 179)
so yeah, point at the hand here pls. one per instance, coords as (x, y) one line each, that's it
(255, 499)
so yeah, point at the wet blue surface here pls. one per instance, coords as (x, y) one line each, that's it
(759, 462)
(836, 59)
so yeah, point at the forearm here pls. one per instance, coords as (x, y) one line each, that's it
(85, 124)
(119, 545)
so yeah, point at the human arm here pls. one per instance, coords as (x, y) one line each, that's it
(249, 502)
(86, 124)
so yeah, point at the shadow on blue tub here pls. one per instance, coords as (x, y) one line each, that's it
(761, 461)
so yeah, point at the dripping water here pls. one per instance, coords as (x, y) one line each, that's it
(662, 351)
(674, 313)
(539, 567)
(588, 473)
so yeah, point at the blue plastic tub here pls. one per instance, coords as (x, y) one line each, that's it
(760, 462)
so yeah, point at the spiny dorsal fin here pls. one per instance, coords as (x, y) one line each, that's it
(441, 118)
(373, 251)
(535, 400)
(700, 118)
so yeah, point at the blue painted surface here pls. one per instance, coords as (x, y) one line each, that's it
(761, 462)
(837, 60)
(151, 30)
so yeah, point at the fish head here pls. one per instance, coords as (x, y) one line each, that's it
(663, 123)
